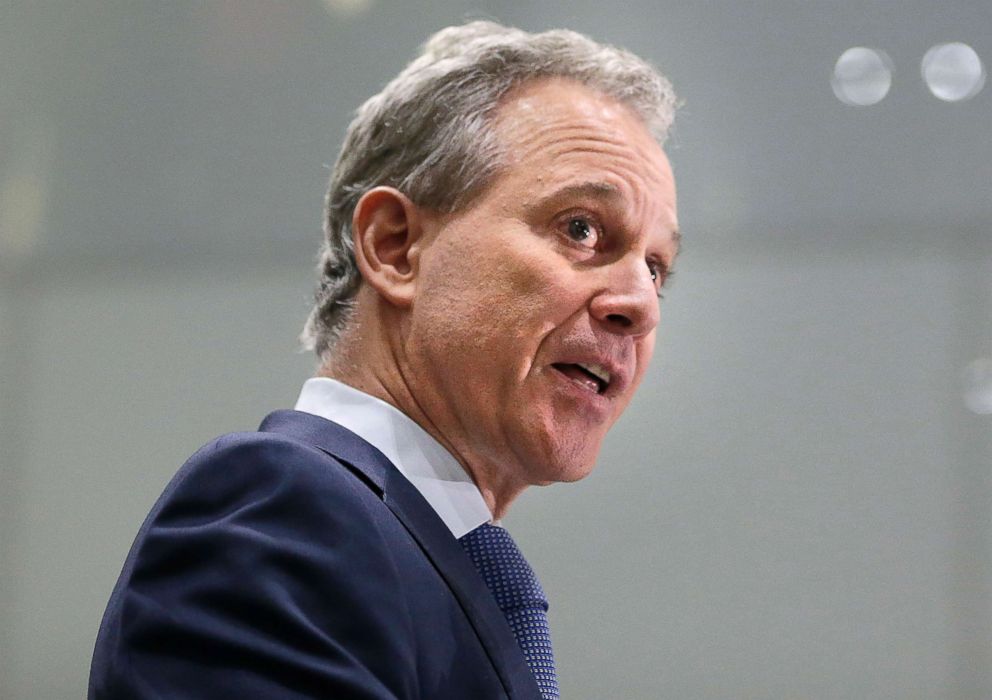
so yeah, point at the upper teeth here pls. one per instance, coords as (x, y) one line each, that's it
(599, 371)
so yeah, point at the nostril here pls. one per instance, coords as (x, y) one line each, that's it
(620, 320)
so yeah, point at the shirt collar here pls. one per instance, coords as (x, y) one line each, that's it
(438, 476)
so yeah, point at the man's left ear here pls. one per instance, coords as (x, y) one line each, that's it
(387, 229)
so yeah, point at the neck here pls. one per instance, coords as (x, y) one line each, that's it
(366, 361)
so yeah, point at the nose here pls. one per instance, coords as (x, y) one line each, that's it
(627, 304)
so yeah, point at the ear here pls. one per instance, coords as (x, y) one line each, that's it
(387, 229)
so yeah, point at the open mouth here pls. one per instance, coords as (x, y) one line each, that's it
(591, 376)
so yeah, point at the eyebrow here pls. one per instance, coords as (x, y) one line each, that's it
(596, 190)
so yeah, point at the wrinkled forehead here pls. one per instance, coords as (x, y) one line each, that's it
(559, 133)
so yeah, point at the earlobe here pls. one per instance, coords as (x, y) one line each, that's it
(386, 229)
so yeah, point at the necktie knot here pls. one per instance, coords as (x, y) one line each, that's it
(519, 595)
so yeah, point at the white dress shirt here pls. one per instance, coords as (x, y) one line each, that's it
(432, 470)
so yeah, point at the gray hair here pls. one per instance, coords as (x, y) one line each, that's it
(428, 134)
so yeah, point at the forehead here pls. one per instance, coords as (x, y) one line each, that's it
(559, 135)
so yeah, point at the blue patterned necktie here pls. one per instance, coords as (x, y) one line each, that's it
(519, 595)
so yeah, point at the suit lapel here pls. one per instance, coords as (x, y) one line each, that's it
(433, 536)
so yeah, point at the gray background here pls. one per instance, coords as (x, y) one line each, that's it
(796, 506)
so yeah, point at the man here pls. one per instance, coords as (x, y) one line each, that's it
(499, 224)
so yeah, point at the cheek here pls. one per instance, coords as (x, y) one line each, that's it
(507, 290)
(467, 323)
(643, 352)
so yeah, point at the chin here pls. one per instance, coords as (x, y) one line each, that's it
(565, 466)
(554, 453)
(573, 474)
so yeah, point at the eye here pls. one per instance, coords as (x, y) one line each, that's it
(583, 231)
(659, 275)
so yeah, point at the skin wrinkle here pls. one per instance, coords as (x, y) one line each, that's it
(611, 198)
(499, 294)
(567, 150)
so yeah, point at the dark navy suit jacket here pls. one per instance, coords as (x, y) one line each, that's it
(297, 562)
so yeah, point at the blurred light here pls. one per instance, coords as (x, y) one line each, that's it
(348, 7)
(862, 76)
(978, 386)
(953, 72)
(24, 190)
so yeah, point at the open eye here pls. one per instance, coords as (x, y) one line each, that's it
(655, 272)
(659, 275)
(583, 231)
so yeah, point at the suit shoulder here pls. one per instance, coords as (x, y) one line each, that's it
(264, 555)
(236, 470)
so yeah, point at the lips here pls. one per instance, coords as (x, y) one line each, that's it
(592, 376)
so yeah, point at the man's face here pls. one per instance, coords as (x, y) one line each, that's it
(535, 310)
